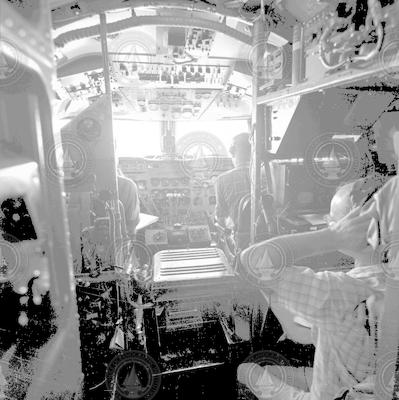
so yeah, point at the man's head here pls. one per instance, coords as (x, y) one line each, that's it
(342, 203)
(386, 131)
(241, 149)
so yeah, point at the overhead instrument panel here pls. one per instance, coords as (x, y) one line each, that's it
(167, 104)
(154, 99)
(161, 73)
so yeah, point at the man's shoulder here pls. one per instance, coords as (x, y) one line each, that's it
(127, 185)
(230, 174)
(123, 180)
(224, 174)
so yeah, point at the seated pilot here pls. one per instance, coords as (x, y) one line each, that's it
(128, 195)
(335, 304)
(232, 185)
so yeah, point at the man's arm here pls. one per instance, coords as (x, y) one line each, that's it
(348, 234)
(314, 296)
(221, 205)
(318, 296)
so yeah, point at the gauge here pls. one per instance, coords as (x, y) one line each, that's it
(139, 165)
(155, 182)
(174, 182)
(142, 185)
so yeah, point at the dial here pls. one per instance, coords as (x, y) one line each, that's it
(174, 182)
(142, 185)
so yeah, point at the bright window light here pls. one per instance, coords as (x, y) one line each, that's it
(224, 130)
(137, 138)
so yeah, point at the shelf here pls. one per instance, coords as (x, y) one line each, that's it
(380, 68)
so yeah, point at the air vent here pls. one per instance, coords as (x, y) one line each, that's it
(190, 264)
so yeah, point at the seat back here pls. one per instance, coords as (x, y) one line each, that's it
(265, 225)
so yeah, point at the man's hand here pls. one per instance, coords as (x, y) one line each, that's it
(350, 232)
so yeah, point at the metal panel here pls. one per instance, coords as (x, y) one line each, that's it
(190, 265)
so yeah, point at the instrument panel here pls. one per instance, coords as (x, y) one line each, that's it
(176, 190)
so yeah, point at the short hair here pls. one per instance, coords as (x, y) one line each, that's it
(241, 144)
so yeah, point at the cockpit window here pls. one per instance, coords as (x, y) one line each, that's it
(137, 138)
(143, 138)
(223, 130)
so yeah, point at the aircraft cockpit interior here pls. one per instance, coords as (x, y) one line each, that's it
(198, 199)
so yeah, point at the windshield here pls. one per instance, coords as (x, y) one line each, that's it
(142, 138)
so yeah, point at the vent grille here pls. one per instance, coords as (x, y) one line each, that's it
(190, 264)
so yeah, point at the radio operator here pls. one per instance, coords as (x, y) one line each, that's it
(338, 305)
